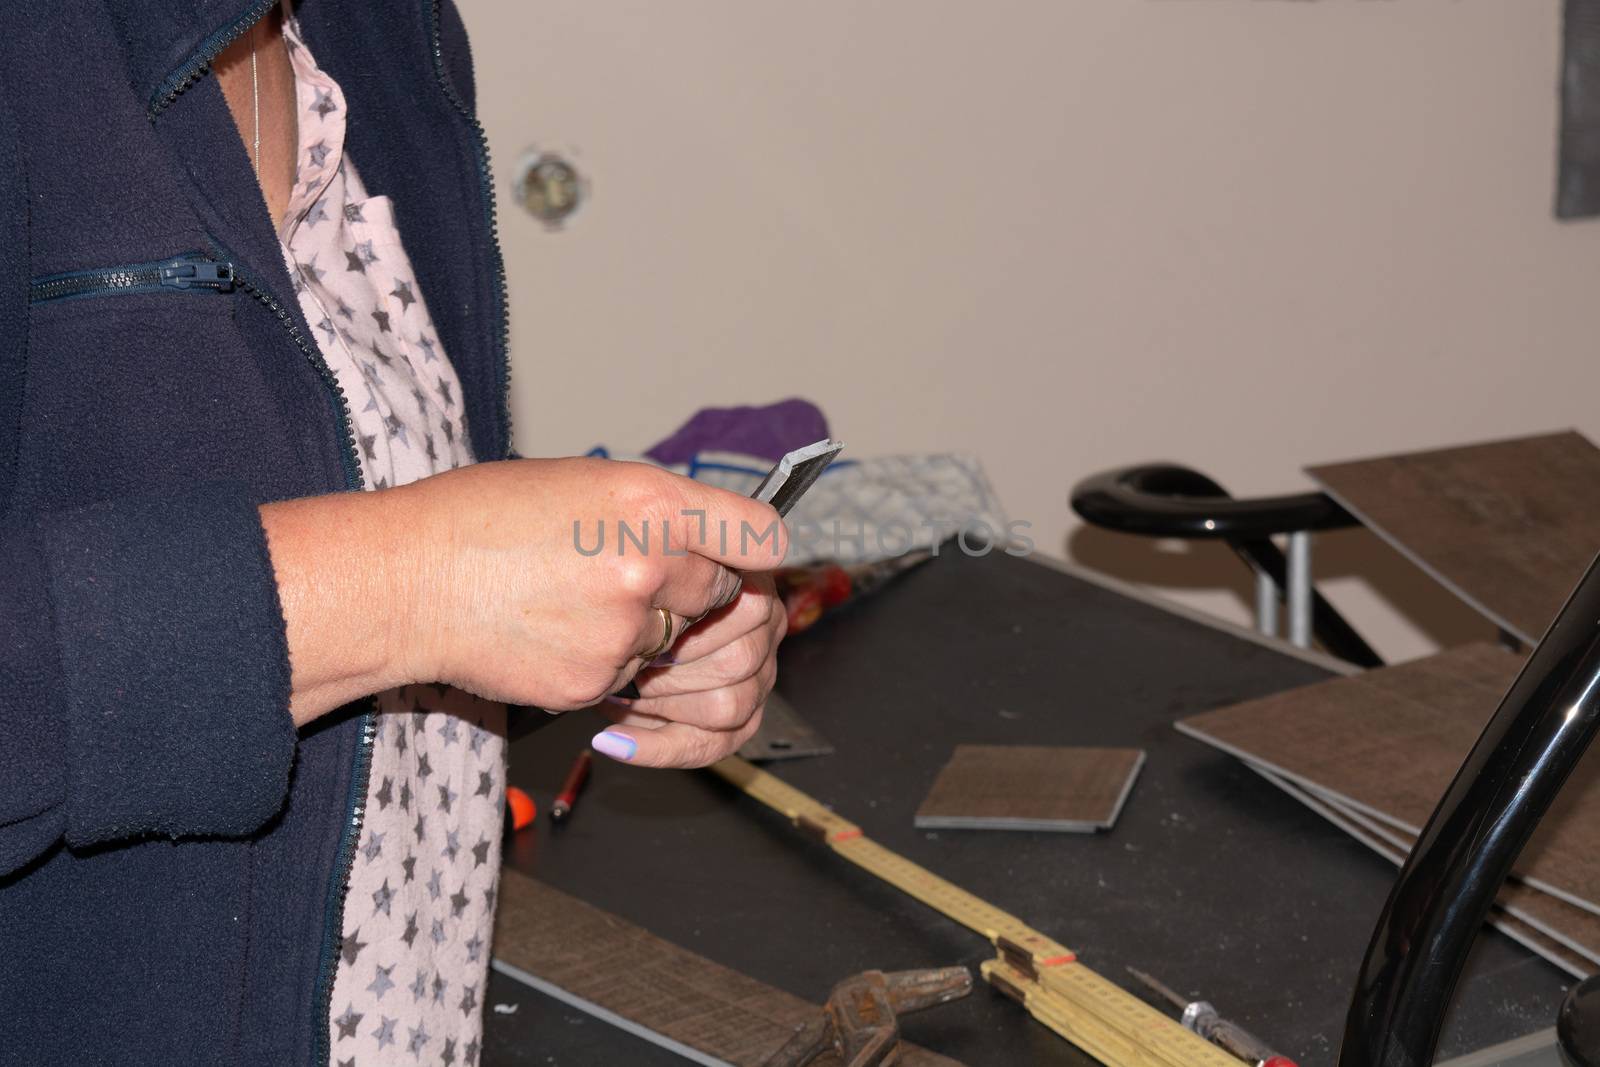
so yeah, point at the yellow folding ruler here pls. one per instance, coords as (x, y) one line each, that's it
(1098, 1016)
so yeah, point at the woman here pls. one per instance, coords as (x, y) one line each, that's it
(253, 723)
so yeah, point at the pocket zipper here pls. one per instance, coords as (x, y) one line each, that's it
(187, 273)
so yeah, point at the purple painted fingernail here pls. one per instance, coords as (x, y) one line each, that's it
(621, 702)
(617, 746)
(666, 659)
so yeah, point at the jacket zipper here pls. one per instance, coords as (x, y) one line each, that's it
(192, 272)
(352, 465)
(502, 340)
(198, 63)
(355, 803)
(333, 930)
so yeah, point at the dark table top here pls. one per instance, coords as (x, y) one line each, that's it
(1212, 879)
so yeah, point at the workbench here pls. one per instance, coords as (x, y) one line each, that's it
(1212, 880)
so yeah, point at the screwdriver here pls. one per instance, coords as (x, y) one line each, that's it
(1203, 1019)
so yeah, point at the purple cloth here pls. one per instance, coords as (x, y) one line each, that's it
(767, 432)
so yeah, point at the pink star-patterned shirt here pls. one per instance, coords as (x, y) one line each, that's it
(420, 902)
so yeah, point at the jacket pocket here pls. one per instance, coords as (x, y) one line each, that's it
(138, 377)
(192, 272)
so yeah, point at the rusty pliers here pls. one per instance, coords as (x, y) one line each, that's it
(860, 1021)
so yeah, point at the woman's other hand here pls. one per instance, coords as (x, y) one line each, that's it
(528, 581)
(704, 699)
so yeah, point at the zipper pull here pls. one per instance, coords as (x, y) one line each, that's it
(197, 274)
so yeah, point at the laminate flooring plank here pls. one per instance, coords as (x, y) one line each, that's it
(601, 960)
(1508, 526)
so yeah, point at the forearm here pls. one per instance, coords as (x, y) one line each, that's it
(345, 566)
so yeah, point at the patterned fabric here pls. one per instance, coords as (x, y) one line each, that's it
(866, 510)
(420, 902)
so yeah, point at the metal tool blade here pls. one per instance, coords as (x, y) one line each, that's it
(793, 475)
(783, 734)
(1165, 992)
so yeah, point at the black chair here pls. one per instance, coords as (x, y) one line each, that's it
(1543, 726)
(1166, 500)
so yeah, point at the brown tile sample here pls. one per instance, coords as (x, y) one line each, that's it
(653, 984)
(1030, 787)
(1387, 743)
(1508, 526)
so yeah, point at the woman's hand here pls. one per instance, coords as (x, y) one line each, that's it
(529, 581)
(705, 700)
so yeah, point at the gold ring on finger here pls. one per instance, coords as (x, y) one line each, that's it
(666, 637)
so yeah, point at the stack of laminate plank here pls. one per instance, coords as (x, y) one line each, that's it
(1374, 752)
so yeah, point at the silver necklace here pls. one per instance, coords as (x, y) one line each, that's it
(255, 107)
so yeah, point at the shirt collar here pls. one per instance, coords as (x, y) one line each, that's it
(172, 43)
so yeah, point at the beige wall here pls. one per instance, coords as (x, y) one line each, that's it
(1061, 234)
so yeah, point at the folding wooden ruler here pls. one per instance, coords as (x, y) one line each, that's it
(1098, 1016)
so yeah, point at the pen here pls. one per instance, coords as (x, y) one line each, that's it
(576, 777)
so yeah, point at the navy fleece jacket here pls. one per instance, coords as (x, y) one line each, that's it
(171, 850)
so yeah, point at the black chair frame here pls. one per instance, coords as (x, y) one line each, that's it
(1168, 500)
